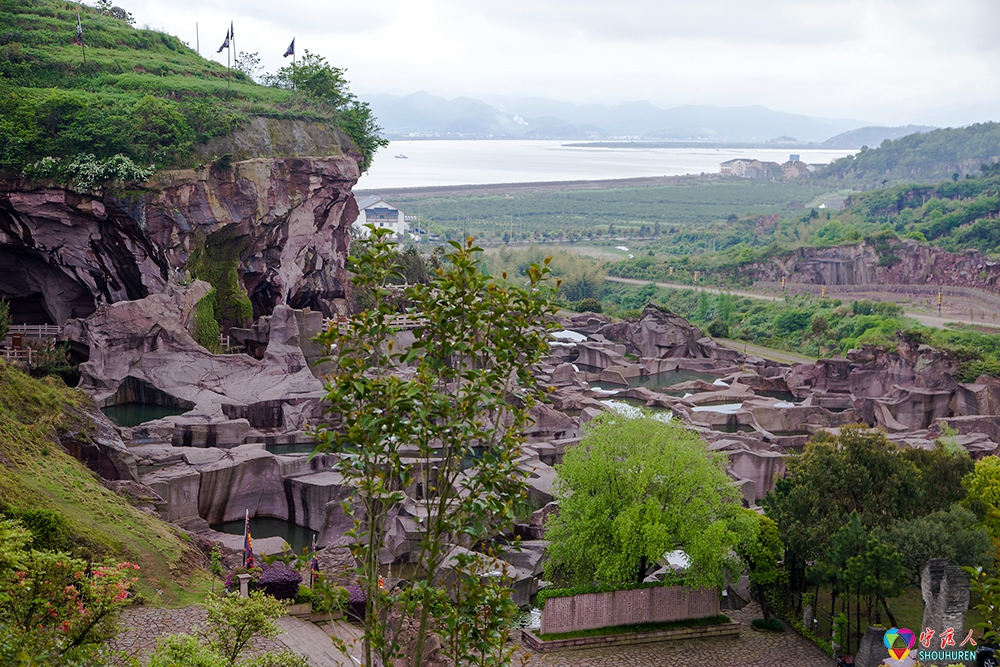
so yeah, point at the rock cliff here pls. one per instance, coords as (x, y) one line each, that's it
(284, 220)
(896, 262)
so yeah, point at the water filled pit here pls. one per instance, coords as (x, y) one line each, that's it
(299, 537)
(129, 415)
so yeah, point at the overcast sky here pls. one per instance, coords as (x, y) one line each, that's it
(885, 61)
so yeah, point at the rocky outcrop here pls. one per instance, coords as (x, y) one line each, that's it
(144, 347)
(896, 262)
(284, 222)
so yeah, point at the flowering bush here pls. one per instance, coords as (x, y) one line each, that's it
(280, 581)
(53, 607)
(233, 582)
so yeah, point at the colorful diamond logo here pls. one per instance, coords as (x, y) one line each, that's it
(899, 641)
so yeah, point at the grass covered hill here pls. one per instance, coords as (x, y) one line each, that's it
(924, 157)
(66, 506)
(143, 95)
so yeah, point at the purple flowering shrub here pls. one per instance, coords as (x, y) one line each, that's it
(280, 581)
(355, 603)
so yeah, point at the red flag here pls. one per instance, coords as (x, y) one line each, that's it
(247, 543)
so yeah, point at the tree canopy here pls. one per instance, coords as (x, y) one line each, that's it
(633, 490)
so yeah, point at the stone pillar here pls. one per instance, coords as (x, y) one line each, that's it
(872, 651)
(945, 591)
(807, 616)
(244, 585)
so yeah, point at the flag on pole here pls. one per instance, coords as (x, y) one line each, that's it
(232, 35)
(225, 44)
(247, 543)
(314, 565)
(290, 51)
(79, 32)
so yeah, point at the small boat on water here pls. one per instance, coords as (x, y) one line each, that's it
(401, 157)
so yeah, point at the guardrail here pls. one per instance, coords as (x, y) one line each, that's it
(17, 355)
(396, 322)
(35, 330)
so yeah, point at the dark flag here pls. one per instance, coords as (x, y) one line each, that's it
(247, 544)
(225, 44)
(290, 51)
(314, 565)
(79, 32)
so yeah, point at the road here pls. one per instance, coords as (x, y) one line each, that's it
(780, 356)
(923, 318)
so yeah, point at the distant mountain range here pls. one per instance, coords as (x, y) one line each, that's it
(424, 115)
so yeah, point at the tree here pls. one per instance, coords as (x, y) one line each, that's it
(470, 384)
(983, 487)
(233, 622)
(4, 318)
(633, 490)
(954, 534)
(249, 64)
(987, 590)
(761, 552)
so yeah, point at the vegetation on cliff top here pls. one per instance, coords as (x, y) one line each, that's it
(927, 157)
(65, 505)
(143, 97)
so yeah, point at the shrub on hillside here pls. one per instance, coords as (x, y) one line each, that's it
(280, 581)
(588, 305)
(718, 329)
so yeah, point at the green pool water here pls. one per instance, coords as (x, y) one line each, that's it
(299, 537)
(295, 448)
(133, 414)
(659, 381)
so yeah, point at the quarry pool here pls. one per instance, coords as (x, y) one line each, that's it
(133, 414)
(659, 381)
(299, 537)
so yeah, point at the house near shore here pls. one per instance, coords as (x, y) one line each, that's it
(764, 170)
(374, 210)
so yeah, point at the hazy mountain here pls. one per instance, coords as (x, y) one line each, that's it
(422, 114)
(872, 136)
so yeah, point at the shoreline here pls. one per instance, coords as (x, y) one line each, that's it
(538, 186)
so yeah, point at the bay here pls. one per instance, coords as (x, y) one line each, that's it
(484, 161)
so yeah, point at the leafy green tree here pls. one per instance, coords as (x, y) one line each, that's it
(986, 589)
(761, 553)
(954, 534)
(983, 486)
(4, 318)
(470, 389)
(877, 573)
(634, 490)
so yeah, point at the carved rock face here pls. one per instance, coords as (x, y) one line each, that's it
(286, 219)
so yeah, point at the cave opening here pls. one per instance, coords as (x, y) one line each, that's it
(38, 292)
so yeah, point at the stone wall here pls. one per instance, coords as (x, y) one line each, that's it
(644, 605)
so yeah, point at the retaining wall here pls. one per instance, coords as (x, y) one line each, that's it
(644, 605)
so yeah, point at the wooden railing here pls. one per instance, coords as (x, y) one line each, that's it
(24, 354)
(396, 322)
(35, 330)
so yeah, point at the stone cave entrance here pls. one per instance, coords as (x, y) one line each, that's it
(39, 293)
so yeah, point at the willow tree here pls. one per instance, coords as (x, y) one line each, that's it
(443, 419)
(633, 490)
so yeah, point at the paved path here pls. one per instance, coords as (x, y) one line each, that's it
(313, 642)
(752, 649)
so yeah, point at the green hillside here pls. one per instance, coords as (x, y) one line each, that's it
(928, 157)
(142, 94)
(66, 505)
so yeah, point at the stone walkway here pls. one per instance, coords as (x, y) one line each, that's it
(752, 649)
(142, 626)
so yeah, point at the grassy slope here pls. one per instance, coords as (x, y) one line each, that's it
(36, 474)
(51, 104)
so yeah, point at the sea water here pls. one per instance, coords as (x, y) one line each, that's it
(478, 161)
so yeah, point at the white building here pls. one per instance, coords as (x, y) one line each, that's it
(374, 210)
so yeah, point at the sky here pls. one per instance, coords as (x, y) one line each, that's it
(889, 62)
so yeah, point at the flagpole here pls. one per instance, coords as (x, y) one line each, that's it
(79, 35)
(197, 39)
